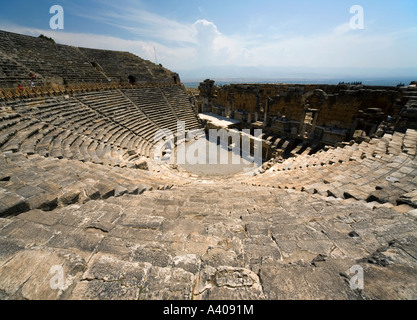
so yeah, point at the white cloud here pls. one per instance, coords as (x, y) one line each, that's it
(144, 24)
(341, 47)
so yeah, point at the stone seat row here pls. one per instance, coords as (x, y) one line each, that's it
(155, 107)
(181, 105)
(32, 136)
(12, 72)
(116, 65)
(71, 73)
(31, 182)
(62, 63)
(47, 59)
(72, 115)
(54, 136)
(121, 110)
(289, 149)
(55, 126)
(363, 172)
(393, 144)
(97, 125)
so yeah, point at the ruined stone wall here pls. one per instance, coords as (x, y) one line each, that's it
(344, 107)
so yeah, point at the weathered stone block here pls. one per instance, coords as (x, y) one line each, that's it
(106, 191)
(30, 274)
(409, 199)
(167, 284)
(188, 262)
(154, 254)
(227, 283)
(12, 204)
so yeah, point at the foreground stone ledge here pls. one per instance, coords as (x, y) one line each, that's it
(288, 246)
(27, 274)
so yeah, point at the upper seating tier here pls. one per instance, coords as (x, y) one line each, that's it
(57, 64)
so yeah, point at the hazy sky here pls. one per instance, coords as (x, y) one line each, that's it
(189, 34)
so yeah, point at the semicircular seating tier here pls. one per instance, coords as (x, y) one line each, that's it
(58, 64)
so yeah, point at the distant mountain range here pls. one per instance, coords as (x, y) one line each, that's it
(262, 74)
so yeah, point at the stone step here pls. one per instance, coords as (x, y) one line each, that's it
(43, 147)
(57, 148)
(28, 146)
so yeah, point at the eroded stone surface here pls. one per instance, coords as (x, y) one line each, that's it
(109, 278)
(40, 273)
(288, 246)
(228, 283)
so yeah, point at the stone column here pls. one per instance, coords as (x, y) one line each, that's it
(266, 112)
(232, 108)
(373, 130)
(313, 125)
(353, 128)
(303, 118)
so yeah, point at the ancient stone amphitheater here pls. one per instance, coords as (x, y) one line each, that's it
(87, 213)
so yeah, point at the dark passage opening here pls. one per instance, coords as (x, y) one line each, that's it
(132, 79)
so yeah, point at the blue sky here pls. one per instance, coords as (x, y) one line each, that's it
(191, 34)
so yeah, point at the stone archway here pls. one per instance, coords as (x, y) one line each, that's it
(318, 93)
(132, 79)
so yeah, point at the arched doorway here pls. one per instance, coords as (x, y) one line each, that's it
(132, 79)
